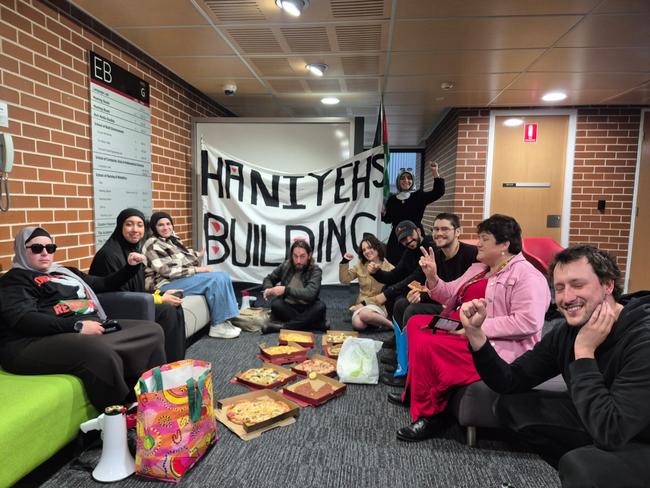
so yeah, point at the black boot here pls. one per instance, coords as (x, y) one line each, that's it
(270, 327)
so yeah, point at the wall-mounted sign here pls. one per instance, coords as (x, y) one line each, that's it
(530, 132)
(121, 143)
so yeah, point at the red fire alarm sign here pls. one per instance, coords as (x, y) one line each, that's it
(530, 132)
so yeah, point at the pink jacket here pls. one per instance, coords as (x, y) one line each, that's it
(517, 298)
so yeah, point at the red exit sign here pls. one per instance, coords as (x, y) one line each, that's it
(530, 132)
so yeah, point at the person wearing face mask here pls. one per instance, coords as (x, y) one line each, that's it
(52, 323)
(171, 265)
(409, 204)
(369, 309)
(597, 433)
(125, 239)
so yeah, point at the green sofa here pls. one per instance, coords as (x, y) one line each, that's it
(38, 416)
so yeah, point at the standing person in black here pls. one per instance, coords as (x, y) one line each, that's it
(51, 322)
(409, 204)
(127, 238)
(598, 432)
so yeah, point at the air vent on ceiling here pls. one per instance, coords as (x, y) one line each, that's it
(359, 37)
(357, 8)
(287, 86)
(273, 66)
(362, 85)
(360, 65)
(324, 86)
(235, 10)
(306, 39)
(255, 40)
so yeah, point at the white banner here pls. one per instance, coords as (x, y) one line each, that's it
(251, 215)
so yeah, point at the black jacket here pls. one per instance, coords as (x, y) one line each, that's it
(611, 393)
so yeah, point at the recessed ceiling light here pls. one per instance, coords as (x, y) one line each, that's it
(513, 122)
(317, 69)
(329, 100)
(292, 7)
(554, 96)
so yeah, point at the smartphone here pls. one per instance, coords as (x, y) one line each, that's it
(111, 326)
(438, 322)
(178, 294)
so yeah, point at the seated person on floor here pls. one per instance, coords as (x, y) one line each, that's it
(51, 323)
(295, 300)
(125, 239)
(439, 360)
(366, 311)
(172, 266)
(598, 432)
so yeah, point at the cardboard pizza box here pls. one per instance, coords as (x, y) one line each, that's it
(286, 375)
(300, 354)
(247, 432)
(322, 358)
(303, 338)
(333, 339)
(324, 387)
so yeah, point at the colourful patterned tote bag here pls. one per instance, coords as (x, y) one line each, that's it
(175, 420)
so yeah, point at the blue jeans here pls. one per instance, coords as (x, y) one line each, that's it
(217, 288)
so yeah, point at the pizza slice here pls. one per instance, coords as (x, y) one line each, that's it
(414, 285)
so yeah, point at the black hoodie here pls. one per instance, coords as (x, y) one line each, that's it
(611, 393)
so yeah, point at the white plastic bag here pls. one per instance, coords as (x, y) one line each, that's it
(357, 361)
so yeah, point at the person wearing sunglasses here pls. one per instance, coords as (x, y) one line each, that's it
(51, 322)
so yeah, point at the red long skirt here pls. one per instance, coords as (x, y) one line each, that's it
(437, 363)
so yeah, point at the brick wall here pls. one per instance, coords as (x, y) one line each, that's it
(604, 168)
(441, 147)
(44, 80)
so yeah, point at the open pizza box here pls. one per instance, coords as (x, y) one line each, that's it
(248, 432)
(334, 339)
(315, 391)
(279, 354)
(305, 339)
(319, 357)
(284, 376)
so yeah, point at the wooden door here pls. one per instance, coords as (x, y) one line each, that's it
(639, 263)
(528, 177)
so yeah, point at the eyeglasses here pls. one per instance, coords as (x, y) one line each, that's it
(443, 229)
(38, 248)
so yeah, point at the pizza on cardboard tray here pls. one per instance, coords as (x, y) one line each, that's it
(336, 338)
(294, 337)
(261, 376)
(281, 350)
(251, 412)
(315, 366)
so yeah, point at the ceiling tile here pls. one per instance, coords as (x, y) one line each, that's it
(306, 39)
(123, 13)
(584, 59)
(623, 6)
(365, 37)
(419, 9)
(534, 97)
(255, 40)
(214, 87)
(622, 30)
(287, 86)
(431, 84)
(360, 65)
(324, 85)
(210, 67)
(342, 9)
(235, 10)
(362, 84)
(579, 81)
(453, 62)
(177, 41)
(273, 66)
(481, 33)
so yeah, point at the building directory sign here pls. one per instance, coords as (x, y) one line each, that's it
(121, 143)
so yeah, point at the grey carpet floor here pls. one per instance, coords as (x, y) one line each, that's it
(348, 442)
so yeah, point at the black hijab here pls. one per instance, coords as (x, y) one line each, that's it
(113, 254)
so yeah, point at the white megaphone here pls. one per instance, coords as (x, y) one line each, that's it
(116, 462)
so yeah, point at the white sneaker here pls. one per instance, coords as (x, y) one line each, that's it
(224, 330)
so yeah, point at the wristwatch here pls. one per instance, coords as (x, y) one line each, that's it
(78, 325)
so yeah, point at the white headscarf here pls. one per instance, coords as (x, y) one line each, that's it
(20, 261)
(404, 194)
